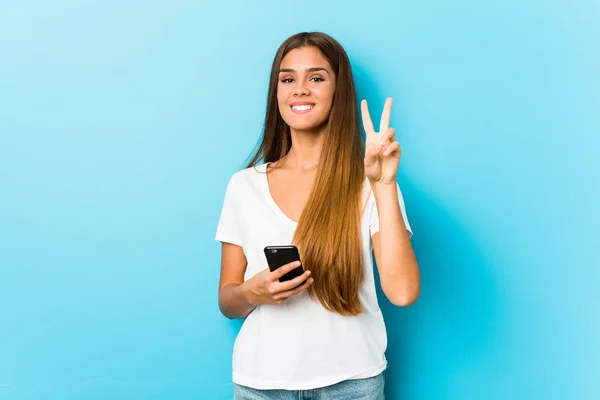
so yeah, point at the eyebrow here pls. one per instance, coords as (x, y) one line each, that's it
(313, 69)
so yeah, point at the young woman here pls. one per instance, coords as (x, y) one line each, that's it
(322, 334)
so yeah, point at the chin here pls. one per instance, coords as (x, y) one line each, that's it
(304, 125)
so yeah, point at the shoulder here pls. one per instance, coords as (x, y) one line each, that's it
(246, 176)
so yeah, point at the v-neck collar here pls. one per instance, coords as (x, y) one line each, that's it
(265, 182)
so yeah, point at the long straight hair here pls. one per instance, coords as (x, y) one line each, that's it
(328, 232)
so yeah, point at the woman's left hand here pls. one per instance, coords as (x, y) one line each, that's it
(382, 152)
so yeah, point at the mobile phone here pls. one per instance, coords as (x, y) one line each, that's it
(278, 256)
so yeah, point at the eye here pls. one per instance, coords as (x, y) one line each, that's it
(314, 79)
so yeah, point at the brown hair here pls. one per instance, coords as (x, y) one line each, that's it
(328, 232)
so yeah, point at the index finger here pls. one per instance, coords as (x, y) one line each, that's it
(293, 283)
(366, 117)
(284, 269)
(385, 116)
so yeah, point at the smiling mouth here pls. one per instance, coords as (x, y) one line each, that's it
(302, 109)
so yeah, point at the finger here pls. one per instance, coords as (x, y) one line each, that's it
(366, 118)
(292, 283)
(284, 269)
(388, 136)
(289, 293)
(395, 146)
(385, 116)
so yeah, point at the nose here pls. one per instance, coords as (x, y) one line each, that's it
(301, 88)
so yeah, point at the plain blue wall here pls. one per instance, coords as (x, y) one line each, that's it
(121, 122)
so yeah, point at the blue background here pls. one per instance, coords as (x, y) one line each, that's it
(121, 122)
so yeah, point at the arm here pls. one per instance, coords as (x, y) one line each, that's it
(232, 301)
(396, 261)
(237, 298)
(398, 268)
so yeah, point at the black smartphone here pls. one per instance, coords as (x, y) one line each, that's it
(278, 256)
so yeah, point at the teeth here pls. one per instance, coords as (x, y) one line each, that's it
(302, 108)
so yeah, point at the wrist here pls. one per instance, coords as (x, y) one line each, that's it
(246, 293)
(383, 186)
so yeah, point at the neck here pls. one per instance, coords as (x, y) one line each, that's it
(306, 149)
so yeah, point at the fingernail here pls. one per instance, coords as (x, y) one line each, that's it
(297, 263)
(308, 273)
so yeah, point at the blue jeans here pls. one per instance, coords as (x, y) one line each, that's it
(354, 389)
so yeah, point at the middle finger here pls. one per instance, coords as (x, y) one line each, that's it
(295, 291)
(385, 116)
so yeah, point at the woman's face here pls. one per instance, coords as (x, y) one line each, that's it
(305, 88)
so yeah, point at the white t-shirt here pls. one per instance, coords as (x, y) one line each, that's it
(298, 344)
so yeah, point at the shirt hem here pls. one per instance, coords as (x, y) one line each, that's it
(307, 385)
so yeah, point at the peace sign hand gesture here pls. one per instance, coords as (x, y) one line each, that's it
(382, 154)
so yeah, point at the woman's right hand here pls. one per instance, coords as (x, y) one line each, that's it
(265, 288)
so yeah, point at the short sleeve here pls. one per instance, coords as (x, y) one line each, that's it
(228, 229)
(374, 215)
